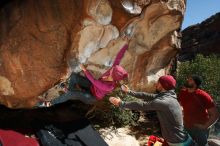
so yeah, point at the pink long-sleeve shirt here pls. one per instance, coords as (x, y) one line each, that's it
(99, 87)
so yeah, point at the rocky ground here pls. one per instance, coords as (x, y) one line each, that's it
(138, 135)
(130, 135)
(126, 137)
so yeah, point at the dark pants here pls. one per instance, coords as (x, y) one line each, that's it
(199, 136)
(73, 93)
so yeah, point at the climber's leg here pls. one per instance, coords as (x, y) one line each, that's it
(73, 93)
(76, 79)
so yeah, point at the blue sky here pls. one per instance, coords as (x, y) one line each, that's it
(199, 10)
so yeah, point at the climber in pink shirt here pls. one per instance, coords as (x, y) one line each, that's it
(94, 89)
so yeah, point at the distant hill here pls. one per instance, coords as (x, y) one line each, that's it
(203, 38)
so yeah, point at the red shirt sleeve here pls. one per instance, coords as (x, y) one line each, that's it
(206, 99)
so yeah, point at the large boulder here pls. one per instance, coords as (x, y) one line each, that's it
(41, 42)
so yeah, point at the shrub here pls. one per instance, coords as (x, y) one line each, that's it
(207, 67)
(115, 116)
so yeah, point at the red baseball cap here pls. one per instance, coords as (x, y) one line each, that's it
(167, 82)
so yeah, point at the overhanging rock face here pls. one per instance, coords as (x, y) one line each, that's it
(42, 41)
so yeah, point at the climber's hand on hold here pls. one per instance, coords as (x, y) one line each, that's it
(125, 38)
(82, 67)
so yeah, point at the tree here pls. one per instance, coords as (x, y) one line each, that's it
(207, 67)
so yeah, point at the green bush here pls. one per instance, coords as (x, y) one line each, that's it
(115, 116)
(123, 117)
(207, 67)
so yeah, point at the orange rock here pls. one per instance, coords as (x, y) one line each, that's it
(41, 40)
